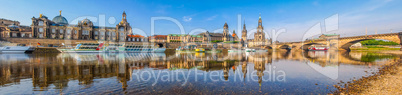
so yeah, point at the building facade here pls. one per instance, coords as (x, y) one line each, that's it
(59, 28)
(227, 36)
(12, 29)
(136, 38)
(220, 37)
(158, 38)
(329, 36)
(177, 38)
(208, 37)
(259, 36)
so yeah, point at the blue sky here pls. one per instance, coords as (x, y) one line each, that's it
(296, 16)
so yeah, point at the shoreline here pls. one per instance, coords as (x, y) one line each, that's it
(386, 80)
(394, 52)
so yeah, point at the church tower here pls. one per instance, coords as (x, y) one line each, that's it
(123, 28)
(260, 35)
(244, 33)
(225, 32)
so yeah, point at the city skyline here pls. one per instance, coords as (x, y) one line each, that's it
(295, 17)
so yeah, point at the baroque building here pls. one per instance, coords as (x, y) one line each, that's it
(220, 37)
(178, 38)
(12, 29)
(158, 38)
(225, 32)
(259, 36)
(227, 36)
(59, 28)
(244, 33)
(208, 37)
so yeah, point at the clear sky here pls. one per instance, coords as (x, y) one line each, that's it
(296, 16)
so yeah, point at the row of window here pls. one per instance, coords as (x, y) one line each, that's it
(138, 49)
(138, 46)
(135, 39)
(84, 32)
(16, 35)
(75, 37)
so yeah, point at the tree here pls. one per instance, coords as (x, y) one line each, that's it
(377, 42)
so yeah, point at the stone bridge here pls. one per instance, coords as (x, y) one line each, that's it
(342, 43)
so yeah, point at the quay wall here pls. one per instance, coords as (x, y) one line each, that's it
(205, 45)
(46, 50)
(58, 42)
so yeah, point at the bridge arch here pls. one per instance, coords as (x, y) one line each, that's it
(347, 43)
(160, 45)
(285, 46)
(266, 47)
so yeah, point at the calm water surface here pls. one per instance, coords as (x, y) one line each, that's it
(185, 73)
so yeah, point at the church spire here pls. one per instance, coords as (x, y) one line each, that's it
(260, 28)
(225, 26)
(244, 32)
(124, 16)
(244, 26)
(259, 21)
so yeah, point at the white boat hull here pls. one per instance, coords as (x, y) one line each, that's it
(72, 51)
(14, 49)
(158, 50)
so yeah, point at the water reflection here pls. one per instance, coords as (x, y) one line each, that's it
(93, 72)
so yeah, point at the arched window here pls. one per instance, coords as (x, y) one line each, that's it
(102, 32)
(40, 30)
(40, 23)
(121, 28)
(53, 30)
(68, 31)
(85, 32)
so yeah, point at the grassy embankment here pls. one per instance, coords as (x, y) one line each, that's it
(375, 45)
(373, 48)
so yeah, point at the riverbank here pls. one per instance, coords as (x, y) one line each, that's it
(374, 49)
(392, 52)
(386, 81)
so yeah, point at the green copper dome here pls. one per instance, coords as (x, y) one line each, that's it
(60, 20)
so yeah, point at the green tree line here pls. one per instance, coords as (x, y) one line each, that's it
(377, 42)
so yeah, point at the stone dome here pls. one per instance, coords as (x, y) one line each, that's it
(13, 27)
(60, 20)
(86, 22)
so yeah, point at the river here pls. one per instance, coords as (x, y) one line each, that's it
(185, 73)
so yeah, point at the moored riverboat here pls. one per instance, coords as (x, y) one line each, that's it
(85, 48)
(140, 48)
(318, 48)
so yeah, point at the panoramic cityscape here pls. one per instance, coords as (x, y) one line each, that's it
(201, 47)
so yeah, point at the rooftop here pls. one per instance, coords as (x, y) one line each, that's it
(159, 36)
(198, 36)
(135, 36)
